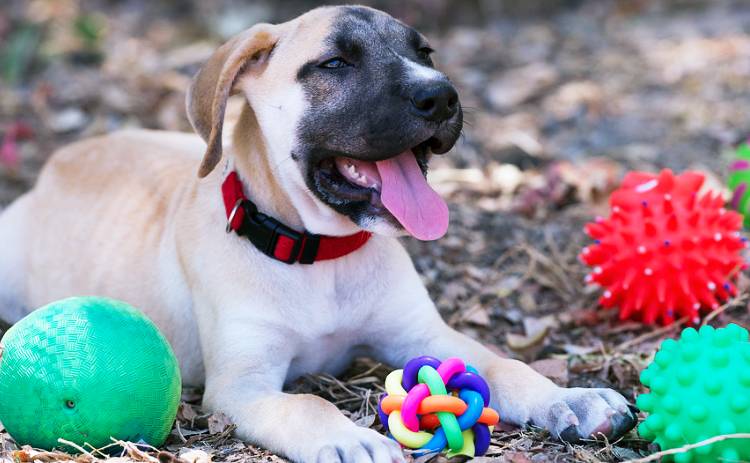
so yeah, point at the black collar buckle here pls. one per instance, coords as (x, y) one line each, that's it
(265, 232)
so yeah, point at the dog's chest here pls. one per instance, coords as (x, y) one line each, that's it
(332, 322)
(327, 354)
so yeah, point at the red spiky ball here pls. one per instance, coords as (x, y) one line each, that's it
(666, 251)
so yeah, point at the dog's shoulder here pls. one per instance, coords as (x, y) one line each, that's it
(131, 144)
(128, 160)
(130, 152)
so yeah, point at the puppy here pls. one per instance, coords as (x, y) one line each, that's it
(343, 108)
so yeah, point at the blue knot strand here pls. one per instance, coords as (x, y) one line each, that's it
(412, 369)
(381, 414)
(471, 380)
(475, 401)
(467, 420)
(434, 445)
(481, 431)
(481, 438)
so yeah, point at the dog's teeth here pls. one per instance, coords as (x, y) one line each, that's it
(350, 171)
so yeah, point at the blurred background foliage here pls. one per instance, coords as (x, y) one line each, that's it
(542, 80)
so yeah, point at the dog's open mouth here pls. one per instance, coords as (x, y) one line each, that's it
(397, 184)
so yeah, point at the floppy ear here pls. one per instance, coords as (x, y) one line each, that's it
(213, 84)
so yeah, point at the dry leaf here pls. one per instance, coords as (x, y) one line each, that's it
(186, 413)
(218, 422)
(477, 315)
(195, 456)
(533, 325)
(519, 342)
(365, 421)
(527, 302)
(554, 369)
(579, 350)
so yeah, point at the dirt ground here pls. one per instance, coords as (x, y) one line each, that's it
(562, 98)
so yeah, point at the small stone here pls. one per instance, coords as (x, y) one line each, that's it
(68, 120)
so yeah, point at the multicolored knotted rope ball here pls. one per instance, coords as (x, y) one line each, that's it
(432, 405)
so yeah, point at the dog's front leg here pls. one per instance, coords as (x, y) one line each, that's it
(521, 395)
(245, 373)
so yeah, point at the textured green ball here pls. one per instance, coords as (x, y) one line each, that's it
(738, 181)
(700, 388)
(86, 369)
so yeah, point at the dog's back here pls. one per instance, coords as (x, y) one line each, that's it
(140, 174)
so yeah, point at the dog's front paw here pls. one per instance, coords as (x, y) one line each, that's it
(578, 413)
(359, 445)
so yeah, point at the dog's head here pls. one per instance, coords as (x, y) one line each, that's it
(349, 108)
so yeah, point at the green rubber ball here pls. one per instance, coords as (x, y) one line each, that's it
(699, 388)
(86, 369)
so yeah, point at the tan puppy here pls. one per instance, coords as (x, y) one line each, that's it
(343, 107)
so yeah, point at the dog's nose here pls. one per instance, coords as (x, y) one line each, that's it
(437, 102)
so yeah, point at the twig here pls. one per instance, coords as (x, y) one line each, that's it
(651, 334)
(685, 448)
(554, 268)
(677, 323)
(179, 431)
(366, 373)
(77, 447)
(730, 303)
(136, 453)
(101, 450)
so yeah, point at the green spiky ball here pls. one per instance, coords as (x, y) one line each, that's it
(738, 181)
(84, 369)
(700, 388)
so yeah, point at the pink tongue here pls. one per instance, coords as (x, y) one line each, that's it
(406, 194)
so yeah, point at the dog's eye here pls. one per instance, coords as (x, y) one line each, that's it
(334, 63)
(424, 53)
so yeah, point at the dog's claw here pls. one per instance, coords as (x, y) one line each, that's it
(578, 413)
(570, 434)
(623, 423)
(328, 454)
(362, 446)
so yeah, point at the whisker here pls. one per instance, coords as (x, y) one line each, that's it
(275, 168)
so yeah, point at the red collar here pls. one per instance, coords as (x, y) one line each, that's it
(275, 239)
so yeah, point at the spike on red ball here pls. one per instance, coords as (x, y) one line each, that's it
(666, 251)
